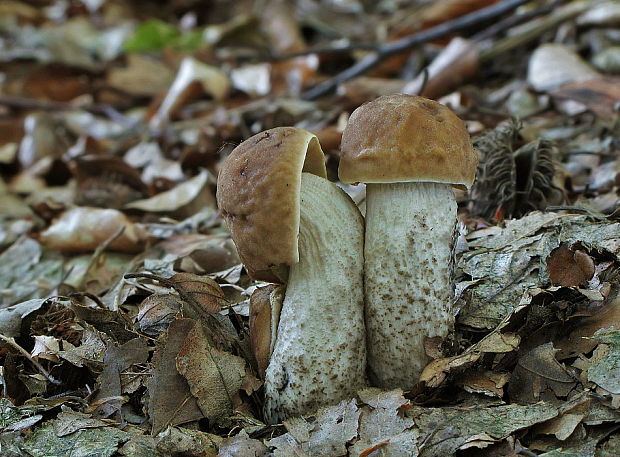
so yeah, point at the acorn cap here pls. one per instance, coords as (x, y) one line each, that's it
(406, 138)
(258, 192)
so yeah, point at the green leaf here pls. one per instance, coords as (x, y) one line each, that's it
(152, 35)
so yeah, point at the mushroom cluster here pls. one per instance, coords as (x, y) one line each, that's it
(291, 225)
(350, 292)
(410, 151)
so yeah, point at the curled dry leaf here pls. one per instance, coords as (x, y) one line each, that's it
(156, 312)
(538, 372)
(187, 198)
(568, 267)
(487, 383)
(215, 377)
(192, 80)
(85, 229)
(142, 76)
(383, 425)
(202, 289)
(198, 253)
(170, 401)
(554, 64)
(600, 94)
(265, 306)
(106, 181)
(495, 342)
(457, 63)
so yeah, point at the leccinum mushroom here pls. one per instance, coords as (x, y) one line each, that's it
(410, 151)
(290, 223)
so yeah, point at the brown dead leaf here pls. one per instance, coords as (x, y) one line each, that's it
(443, 10)
(117, 359)
(457, 63)
(201, 254)
(170, 400)
(285, 36)
(579, 341)
(106, 182)
(183, 200)
(538, 372)
(156, 312)
(142, 76)
(571, 415)
(265, 306)
(69, 421)
(552, 65)
(215, 377)
(569, 268)
(599, 94)
(85, 229)
(192, 80)
(495, 342)
(202, 289)
(487, 383)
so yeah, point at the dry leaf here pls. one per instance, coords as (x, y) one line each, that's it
(537, 374)
(202, 289)
(215, 377)
(495, 342)
(241, 445)
(569, 268)
(156, 312)
(384, 419)
(117, 359)
(170, 400)
(554, 64)
(85, 229)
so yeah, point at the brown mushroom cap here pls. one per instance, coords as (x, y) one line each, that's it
(406, 138)
(258, 191)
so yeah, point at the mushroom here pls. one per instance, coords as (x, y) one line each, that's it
(410, 151)
(290, 224)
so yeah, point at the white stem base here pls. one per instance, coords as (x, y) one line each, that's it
(409, 264)
(320, 353)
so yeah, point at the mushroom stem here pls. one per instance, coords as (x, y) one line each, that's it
(409, 265)
(319, 356)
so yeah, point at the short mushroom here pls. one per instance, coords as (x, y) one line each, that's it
(290, 224)
(410, 151)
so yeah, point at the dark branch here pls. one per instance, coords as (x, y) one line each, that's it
(409, 42)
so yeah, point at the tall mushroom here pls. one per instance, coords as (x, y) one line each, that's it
(290, 224)
(410, 151)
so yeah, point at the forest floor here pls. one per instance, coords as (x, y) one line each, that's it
(124, 306)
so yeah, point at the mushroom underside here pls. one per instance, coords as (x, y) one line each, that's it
(319, 356)
(409, 262)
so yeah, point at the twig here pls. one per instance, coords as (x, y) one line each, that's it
(556, 18)
(349, 47)
(407, 43)
(97, 255)
(11, 341)
(514, 20)
(105, 110)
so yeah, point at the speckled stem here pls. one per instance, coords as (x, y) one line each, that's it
(320, 353)
(408, 276)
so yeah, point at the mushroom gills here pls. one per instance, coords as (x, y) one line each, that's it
(319, 356)
(409, 265)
